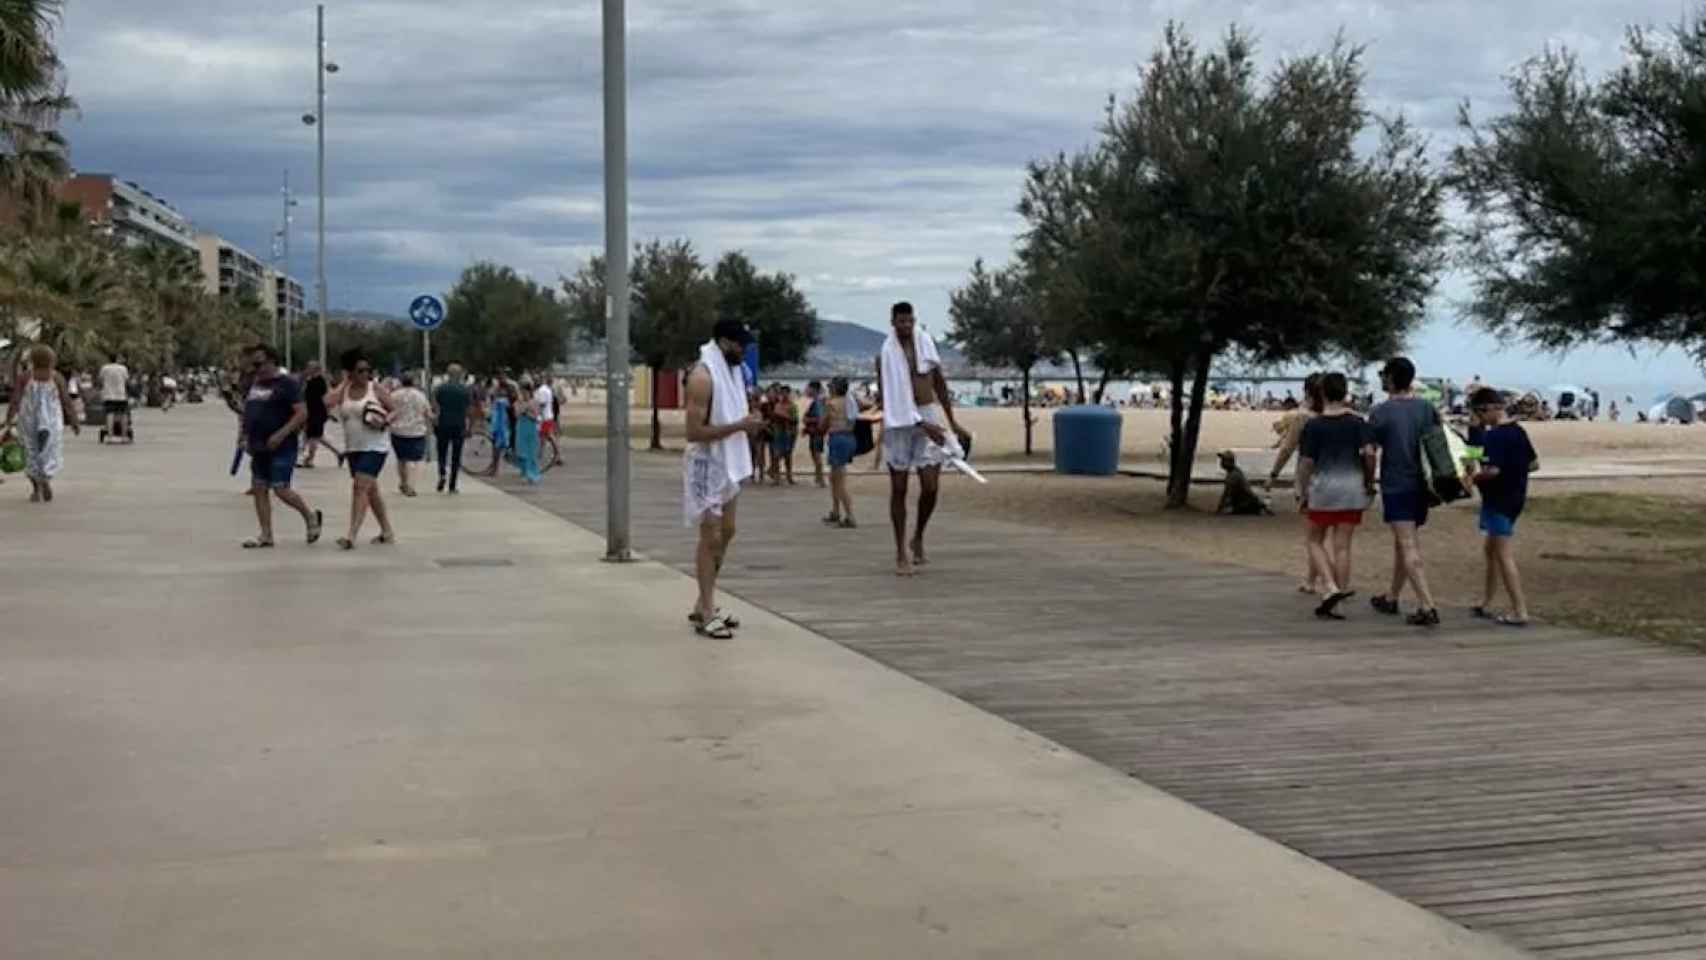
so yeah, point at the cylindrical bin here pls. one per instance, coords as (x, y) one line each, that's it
(1087, 440)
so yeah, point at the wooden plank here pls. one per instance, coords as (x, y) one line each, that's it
(1549, 786)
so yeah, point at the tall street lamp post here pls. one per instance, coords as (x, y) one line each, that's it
(317, 119)
(617, 364)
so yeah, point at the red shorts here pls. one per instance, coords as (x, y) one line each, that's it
(1335, 518)
(547, 428)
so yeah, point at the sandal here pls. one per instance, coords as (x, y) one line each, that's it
(849, 524)
(833, 520)
(257, 544)
(1482, 613)
(385, 540)
(716, 628)
(1423, 618)
(730, 619)
(315, 527)
(1506, 620)
(1384, 604)
(346, 543)
(1329, 608)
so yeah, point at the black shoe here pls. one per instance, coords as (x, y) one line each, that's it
(440, 484)
(1384, 605)
(1423, 618)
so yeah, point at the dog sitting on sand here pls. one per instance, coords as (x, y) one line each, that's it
(1237, 497)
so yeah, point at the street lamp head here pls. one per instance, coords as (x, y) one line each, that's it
(309, 120)
(331, 67)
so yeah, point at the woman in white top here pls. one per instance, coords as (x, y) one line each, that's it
(366, 412)
(411, 411)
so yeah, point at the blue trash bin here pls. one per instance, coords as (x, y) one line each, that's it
(1087, 441)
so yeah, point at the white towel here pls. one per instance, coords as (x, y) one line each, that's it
(900, 408)
(728, 405)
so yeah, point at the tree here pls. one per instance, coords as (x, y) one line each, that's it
(781, 318)
(675, 307)
(497, 320)
(1218, 216)
(32, 97)
(1586, 200)
(998, 321)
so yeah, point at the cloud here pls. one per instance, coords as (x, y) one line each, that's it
(873, 150)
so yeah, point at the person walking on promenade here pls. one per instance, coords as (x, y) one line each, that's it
(1399, 424)
(545, 408)
(839, 413)
(815, 403)
(115, 398)
(411, 412)
(1335, 477)
(1293, 424)
(364, 410)
(717, 461)
(1507, 459)
(41, 407)
(498, 407)
(784, 435)
(273, 412)
(451, 407)
(527, 433)
(314, 390)
(918, 412)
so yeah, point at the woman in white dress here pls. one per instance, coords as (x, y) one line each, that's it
(41, 408)
(366, 412)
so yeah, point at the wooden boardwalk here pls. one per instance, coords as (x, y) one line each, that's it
(1547, 786)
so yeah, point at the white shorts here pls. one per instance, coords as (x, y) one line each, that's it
(910, 448)
(706, 488)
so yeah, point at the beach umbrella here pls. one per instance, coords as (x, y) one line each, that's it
(1680, 409)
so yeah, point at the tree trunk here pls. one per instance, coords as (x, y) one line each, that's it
(1025, 404)
(1176, 436)
(1102, 385)
(1184, 459)
(1078, 371)
(657, 426)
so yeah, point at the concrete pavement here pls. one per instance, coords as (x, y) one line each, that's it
(484, 742)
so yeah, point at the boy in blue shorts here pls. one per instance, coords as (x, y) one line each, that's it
(1506, 461)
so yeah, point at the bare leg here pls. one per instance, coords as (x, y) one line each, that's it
(897, 516)
(728, 535)
(263, 510)
(1321, 559)
(1311, 582)
(402, 475)
(1490, 589)
(377, 502)
(929, 482)
(293, 500)
(817, 466)
(358, 505)
(1400, 575)
(313, 445)
(1410, 543)
(838, 492)
(705, 565)
(1513, 579)
(789, 462)
(1343, 535)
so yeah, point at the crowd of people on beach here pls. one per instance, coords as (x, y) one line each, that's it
(1400, 451)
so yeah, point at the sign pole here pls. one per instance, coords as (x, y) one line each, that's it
(426, 375)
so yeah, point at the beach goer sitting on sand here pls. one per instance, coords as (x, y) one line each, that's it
(1237, 497)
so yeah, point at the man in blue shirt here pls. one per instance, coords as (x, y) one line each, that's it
(273, 412)
(1507, 458)
(1398, 426)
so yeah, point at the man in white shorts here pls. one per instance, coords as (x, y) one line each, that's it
(717, 462)
(918, 412)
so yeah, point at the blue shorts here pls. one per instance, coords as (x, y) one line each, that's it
(782, 444)
(273, 468)
(1410, 507)
(1496, 524)
(842, 447)
(365, 463)
(412, 449)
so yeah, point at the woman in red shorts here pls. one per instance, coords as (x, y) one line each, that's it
(1335, 476)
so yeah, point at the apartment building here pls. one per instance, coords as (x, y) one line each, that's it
(287, 302)
(231, 271)
(128, 211)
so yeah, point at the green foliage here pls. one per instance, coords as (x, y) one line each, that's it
(1586, 199)
(32, 97)
(780, 316)
(1223, 215)
(497, 320)
(999, 321)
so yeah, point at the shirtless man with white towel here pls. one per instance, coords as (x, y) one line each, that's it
(718, 461)
(918, 412)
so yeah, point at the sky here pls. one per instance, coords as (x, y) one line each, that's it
(872, 150)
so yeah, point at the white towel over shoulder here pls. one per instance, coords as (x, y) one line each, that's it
(900, 408)
(728, 405)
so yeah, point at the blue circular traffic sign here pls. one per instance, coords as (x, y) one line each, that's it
(426, 312)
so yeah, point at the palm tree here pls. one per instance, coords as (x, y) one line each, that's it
(32, 98)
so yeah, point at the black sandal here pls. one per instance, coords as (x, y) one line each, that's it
(314, 528)
(1481, 613)
(1423, 618)
(716, 628)
(346, 543)
(385, 540)
(730, 619)
(1506, 620)
(833, 520)
(1384, 604)
(257, 544)
(1329, 608)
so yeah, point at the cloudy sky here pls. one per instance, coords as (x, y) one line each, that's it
(873, 150)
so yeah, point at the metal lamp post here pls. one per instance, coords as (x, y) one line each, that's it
(317, 119)
(617, 368)
(281, 251)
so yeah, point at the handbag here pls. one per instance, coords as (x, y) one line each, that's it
(864, 438)
(12, 457)
(373, 416)
(1445, 477)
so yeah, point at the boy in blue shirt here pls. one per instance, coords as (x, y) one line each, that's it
(1507, 459)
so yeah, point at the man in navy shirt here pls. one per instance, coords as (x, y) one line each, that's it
(1507, 458)
(273, 412)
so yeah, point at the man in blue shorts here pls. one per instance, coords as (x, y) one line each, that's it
(1398, 426)
(1507, 459)
(273, 412)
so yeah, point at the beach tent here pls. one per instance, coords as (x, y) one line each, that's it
(1674, 408)
(1568, 400)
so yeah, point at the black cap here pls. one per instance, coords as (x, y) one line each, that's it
(732, 330)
